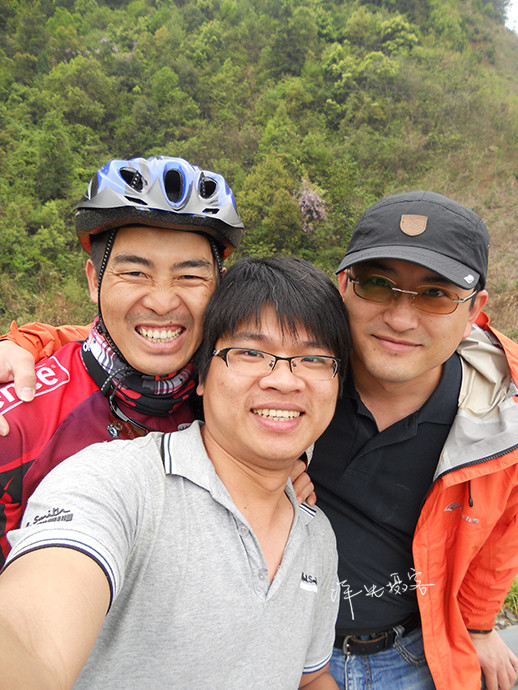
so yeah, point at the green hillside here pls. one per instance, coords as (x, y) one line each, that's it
(313, 109)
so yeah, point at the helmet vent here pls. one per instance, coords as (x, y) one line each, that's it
(132, 178)
(210, 210)
(173, 185)
(136, 200)
(207, 187)
(92, 187)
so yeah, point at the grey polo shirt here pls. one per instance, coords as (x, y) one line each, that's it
(192, 605)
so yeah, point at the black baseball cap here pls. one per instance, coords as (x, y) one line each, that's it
(424, 228)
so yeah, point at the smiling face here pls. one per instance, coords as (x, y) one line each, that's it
(396, 343)
(153, 294)
(265, 421)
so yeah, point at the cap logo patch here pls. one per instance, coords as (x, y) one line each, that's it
(413, 225)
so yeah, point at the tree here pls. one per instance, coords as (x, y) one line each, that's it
(54, 169)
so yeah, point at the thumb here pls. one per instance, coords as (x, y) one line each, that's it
(24, 378)
(4, 426)
(16, 364)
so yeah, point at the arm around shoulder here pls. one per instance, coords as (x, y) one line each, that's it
(24, 345)
(42, 339)
(18, 365)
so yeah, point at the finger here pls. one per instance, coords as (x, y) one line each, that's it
(24, 377)
(510, 677)
(25, 390)
(491, 680)
(299, 467)
(311, 499)
(303, 488)
(17, 365)
(4, 426)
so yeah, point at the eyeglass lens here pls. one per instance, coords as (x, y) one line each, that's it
(258, 363)
(430, 298)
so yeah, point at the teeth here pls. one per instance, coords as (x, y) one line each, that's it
(279, 415)
(159, 335)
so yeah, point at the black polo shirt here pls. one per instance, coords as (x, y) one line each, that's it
(371, 485)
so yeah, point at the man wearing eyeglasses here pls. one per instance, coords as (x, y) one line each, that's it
(418, 471)
(183, 560)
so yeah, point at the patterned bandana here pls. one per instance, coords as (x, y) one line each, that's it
(149, 395)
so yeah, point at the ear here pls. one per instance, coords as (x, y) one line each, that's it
(478, 305)
(342, 281)
(93, 280)
(223, 271)
(200, 388)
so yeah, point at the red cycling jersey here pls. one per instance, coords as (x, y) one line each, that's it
(68, 413)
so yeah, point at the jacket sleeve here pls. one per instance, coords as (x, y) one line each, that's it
(42, 340)
(491, 572)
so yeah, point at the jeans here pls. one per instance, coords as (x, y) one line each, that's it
(402, 667)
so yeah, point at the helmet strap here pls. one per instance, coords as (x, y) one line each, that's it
(217, 255)
(102, 270)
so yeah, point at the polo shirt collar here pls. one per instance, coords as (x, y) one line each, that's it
(433, 410)
(184, 455)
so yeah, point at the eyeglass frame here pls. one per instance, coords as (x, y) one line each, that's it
(397, 292)
(223, 353)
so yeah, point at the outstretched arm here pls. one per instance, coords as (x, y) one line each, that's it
(52, 605)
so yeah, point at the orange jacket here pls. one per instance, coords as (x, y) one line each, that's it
(466, 541)
(42, 340)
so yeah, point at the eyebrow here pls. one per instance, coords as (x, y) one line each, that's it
(143, 261)
(262, 338)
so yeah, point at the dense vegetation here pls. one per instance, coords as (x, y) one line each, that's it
(313, 109)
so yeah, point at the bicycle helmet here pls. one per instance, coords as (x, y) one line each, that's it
(164, 192)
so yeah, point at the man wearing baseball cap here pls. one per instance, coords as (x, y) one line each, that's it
(418, 471)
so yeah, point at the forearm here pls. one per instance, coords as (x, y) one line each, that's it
(20, 668)
(320, 680)
(53, 603)
(42, 340)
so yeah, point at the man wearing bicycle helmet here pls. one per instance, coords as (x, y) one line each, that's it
(183, 561)
(157, 231)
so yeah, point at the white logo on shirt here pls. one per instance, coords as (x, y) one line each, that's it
(308, 582)
(49, 376)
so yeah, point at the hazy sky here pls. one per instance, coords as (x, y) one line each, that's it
(512, 15)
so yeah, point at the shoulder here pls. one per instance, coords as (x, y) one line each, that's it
(116, 464)
(318, 526)
(145, 450)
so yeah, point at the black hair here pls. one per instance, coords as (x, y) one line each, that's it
(301, 294)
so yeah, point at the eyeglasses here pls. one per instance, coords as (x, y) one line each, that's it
(258, 363)
(433, 299)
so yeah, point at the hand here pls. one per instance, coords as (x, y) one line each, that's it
(498, 663)
(302, 484)
(18, 365)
